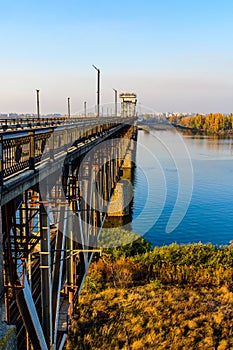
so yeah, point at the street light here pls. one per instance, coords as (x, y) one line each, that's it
(115, 102)
(85, 109)
(38, 103)
(68, 107)
(98, 90)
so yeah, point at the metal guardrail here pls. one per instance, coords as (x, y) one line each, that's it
(21, 123)
(25, 148)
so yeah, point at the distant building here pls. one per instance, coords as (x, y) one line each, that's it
(128, 104)
(13, 115)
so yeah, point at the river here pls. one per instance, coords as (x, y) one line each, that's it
(194, 170)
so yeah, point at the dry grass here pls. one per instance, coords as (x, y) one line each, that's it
(186, 309)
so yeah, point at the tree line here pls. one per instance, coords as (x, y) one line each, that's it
(212, 122)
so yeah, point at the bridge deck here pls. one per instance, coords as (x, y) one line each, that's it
(18, 176)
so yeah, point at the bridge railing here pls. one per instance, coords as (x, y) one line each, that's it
(22, 123)
(25, 149)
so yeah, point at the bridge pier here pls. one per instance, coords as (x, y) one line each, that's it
(119, 210)
(120, 200)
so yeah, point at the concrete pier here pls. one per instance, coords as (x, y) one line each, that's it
(122, 195)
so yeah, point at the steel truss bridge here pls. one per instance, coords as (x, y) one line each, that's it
(57, 177)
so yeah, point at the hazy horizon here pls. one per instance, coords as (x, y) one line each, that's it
(175, 55)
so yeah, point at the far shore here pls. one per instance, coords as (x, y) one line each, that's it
(202, 131)
(165, 126)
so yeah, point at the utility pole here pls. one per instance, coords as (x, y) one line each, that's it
(98, 90)
(38, 103)
(68, 107)
(85, 109)
(115, 102)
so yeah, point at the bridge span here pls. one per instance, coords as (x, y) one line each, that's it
(57, 177)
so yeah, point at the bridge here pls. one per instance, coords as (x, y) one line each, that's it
(57, 177)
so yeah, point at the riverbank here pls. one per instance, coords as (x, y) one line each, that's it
(173, 297)
(211, 123)
(147, 127)
(202, 131)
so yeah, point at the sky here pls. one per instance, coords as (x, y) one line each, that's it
(175, 55)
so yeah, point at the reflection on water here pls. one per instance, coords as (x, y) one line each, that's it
(212, 143)
(209, 217)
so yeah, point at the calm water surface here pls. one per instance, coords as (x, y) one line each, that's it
(163, 160)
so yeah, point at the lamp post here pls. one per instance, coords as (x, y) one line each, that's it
(85, 109)
(115, 91)
(68, 100)
(38, 103)
(98, 90)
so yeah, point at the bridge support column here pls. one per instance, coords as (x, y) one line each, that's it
(45, 266)
(32, 150)
(70, 267)
(2, 305)
(70, 261)
(129, 161)
(119, 204)
(7, 333)
(119, 212)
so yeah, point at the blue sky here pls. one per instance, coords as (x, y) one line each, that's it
(176, 55)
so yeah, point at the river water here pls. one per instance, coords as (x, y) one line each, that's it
(189, 174)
